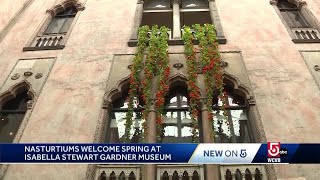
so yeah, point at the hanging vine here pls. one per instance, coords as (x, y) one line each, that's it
(163, 70)
(194, 91)
(134, 78)
(212, 71)
(156, 64)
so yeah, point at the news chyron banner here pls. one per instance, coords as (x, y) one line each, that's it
(272, 152)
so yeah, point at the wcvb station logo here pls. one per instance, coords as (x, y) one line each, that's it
(275, 152)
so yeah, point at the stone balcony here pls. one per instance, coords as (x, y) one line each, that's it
(180, 172)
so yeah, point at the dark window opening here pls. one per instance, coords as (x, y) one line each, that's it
(236, 128)
(199, 17)
(61, 23)
(177, 122)
(116, 131)
(157, 18)
(292, 15)
(11, 116)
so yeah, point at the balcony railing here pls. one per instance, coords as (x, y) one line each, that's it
(243, 172)
(186, 172)
(306, 35)
(46, 42)
(118, 172)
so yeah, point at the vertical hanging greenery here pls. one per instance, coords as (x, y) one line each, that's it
(210, 60)
(135, 79)
(194, 91)
(156, 64)
(163, 70)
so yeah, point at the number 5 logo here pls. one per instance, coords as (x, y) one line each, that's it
(273, 149)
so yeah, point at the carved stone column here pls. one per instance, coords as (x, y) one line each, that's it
(150, 169)
(212, 170)
(176, 19)
(137, 20)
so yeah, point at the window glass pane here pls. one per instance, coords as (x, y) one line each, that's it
(185, 117)
(157, 18)
(297, 19)
(236, 101)
(68, 11)
(170, 134)
(157, 4)
(286, 5)
(184, 101)
(55, 26)
(66, 25)
(191, 18)
(239, 120)
(117, 127)
(195, 4)
(9, 125)
(220, 125)
(186, 134)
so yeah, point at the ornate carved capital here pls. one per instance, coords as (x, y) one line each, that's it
(176, 2)
(203, 103)
(252, 101)
(316, 68)
(30, 104)
(106, 104)
(301, 3)
(273, 2)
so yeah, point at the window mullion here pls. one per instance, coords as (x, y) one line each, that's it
(179, 123)
(233, 136)
(176, 21)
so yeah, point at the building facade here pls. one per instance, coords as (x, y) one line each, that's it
(65, 68)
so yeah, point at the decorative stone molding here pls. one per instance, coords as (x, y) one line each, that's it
(178, 66)
(301, 3)
(15, 89)
(273, 2)
(15, 76)
(251, 101)
(316, 68)
(64, 5)
(115, 92)
(38, 75)
(30, 104)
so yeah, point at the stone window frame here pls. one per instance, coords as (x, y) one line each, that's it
(300, 35)
(59, 39)
(177, 39)
(10, 94)
(178, 75)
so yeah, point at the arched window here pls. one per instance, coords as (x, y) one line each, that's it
(11, 115)
(62, 21)
(292, 15)
(177, 123)
(116, 131)
(236, 128)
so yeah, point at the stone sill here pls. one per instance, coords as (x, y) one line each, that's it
(174, 42)
(43, 48)
(306, 41)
